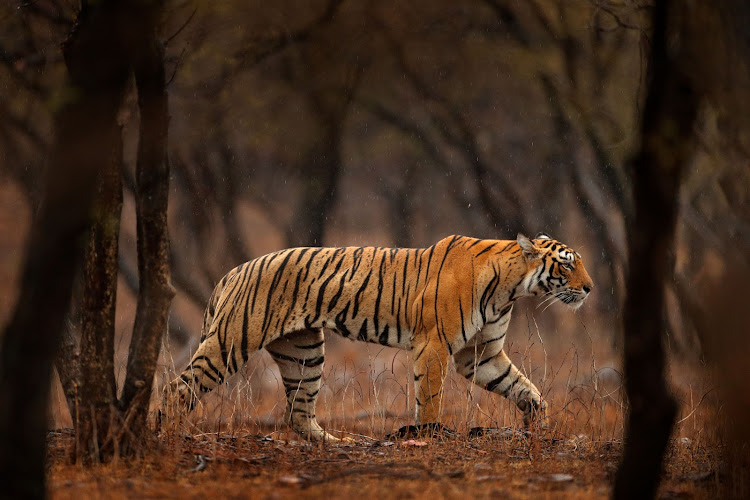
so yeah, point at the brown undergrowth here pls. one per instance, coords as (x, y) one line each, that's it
(248, 465)
(236, 445)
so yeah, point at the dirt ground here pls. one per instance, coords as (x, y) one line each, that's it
(506, 464)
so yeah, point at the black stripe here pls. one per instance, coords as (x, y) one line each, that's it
(494, 383)
(505, 310)
(243, 343)
(419, 354)
(376, 313)
(383, 338)
(313, 254)
(512, 384)
(233, 368)
(437, 289)
(298, 381)
(357, 256)
(420, 253)
(362, 335)
(426, 278)
(359, 294)
(487, 295)
(304, 362)
(290, 308)
(339, 320)
(337, 295)
(398, 322)
(298, 399)
(476, 242)
(394, 277)
(302, 252)
(403, 279)
(506, 247)
(484, 361)
(322, 290)
(487, 249)
(215, 379)
(493, 340)
(271, 289)
(461, 313)
(311, 346)
(257, 282)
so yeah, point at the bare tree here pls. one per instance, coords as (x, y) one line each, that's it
(101, 54)
(666, 146)
(85, 127)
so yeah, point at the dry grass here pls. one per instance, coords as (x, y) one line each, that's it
(235, 443)
(247, 465)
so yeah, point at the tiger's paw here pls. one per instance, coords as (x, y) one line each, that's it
(535, 414)
(321, 436)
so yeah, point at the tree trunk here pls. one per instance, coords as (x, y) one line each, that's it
(97, 383)
(667, 128)
(105, 426)
(152, 177)
(32, 337)
(68, 366)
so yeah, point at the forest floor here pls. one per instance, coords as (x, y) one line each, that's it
(506, 464)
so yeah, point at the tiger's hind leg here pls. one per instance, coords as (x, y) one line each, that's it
(300, 357)
(211, 364)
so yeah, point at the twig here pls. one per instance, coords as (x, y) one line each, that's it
(696, 407)
(179, 30)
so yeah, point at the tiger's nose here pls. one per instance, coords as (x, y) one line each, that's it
(586, 288)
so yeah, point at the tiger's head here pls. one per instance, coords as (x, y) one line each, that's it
(554, 269)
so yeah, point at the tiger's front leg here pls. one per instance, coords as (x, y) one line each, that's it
(487, 365)
(431, 361)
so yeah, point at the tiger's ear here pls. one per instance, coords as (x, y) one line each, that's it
(530, 251)
(542, 236)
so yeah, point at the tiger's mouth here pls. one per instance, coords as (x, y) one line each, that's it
(572, 298)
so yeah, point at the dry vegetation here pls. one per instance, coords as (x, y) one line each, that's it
(235, 443)
(248, 465)
(250, 459)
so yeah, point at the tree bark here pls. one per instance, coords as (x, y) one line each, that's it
(666, 145)
(97, 383)
(68, 366)
(106, 426)
(152, 187)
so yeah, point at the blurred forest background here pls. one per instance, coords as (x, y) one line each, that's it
(342, 122)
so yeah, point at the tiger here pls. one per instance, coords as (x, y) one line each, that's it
(453, 299)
